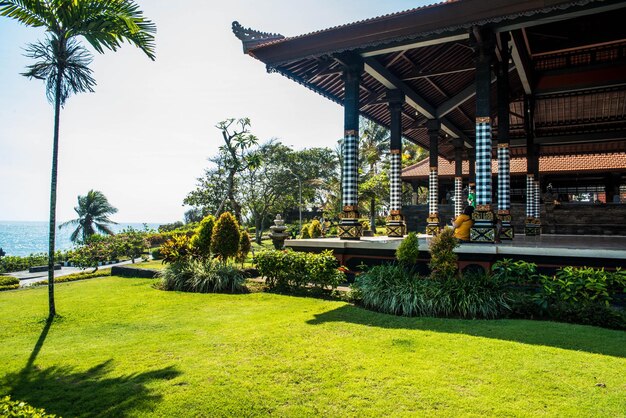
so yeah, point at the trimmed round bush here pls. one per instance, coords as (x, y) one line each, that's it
(315, 229)
(244, 247)
(408, 251)
(9, 282)
(304, 233)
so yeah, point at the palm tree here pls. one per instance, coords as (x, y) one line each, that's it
(63, 63)
(373, 144)
(93, 214)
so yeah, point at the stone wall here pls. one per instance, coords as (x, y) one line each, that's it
(566, 218)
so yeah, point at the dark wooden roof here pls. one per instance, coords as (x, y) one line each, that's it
(569, 55)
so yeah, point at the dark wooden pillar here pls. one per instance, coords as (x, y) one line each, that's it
(483, 229)
(349, 226)
(395, 222)
(504, 155)
(432, 227)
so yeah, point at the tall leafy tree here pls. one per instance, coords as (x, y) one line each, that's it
(93, 211)
(63, 63)
(373, 151)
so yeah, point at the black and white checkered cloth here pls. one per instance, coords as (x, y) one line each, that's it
(530, 188)
(537, 199)
(395, 185)
(458, 196)
(350, 174)
(504, 179)
(433, 192)
(483, 163)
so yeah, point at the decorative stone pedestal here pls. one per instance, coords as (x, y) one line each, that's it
(278, 234)
(395, 224)
(349, 226)
(507, 229)
(432, 227)
(484, 229)
(532, 227)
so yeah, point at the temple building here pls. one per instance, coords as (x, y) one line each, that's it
(498, 91)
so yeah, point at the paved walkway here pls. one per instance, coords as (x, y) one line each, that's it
(26, 278)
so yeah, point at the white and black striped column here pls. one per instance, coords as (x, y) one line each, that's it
(503, 155)
(533, 225)
(458, 177)
(349, 226)
(395, 221)
(432, 226)
(483, 229)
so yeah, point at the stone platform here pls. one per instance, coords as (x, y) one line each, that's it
(545, 250)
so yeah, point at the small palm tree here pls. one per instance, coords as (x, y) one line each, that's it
(93, 214)
(64, 64)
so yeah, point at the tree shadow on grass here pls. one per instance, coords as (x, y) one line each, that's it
(65, 391)
(544, 333)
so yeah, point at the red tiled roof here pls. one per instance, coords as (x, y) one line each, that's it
(547, 164)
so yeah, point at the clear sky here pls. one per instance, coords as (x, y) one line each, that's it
(144, 136)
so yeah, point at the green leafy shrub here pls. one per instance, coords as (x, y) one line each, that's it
(392, 289)
(304, 233)
(9, 282)
(203, 276)
(204, 233)
(408, 251)
(12, 263)
(590, 313)
(514, 272)
(129, 242)
(94, 252)
(365, 225)
(244, 247)
(581, 286)
(292, 270)
(443, 260)
(76, 276)
(178, 248)
(226, 235)
(171, 226)
(315, 229)
(11, 408)
(156, 254)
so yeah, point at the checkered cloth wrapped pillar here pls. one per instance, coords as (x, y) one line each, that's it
(504, 177)
(483, 161)
(536, 199)
(349, 170)
(530, 188)
(458, 196)
(433, 208)
(395, 185)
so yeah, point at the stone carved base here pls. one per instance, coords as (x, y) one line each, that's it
(532, 228)
(484, 228)
(432, 226)
(395, 225)
(349, 226)
(506, 232)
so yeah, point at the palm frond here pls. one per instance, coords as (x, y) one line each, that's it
(109, 23)
(33, 13)
(104, 228)
(77, 231)
(68, 223)
(66, 59)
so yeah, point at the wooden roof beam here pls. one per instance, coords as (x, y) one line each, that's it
(521, 59)
(573, 138)
(390, 81)
(421, 44)
(461, 97)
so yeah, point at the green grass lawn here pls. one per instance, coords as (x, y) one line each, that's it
(123, 348)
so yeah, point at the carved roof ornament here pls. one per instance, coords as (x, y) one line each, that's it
(251, 38)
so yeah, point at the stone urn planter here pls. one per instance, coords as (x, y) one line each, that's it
(278, 234)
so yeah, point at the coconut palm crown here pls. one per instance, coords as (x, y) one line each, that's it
(63, 63)
(93, 215)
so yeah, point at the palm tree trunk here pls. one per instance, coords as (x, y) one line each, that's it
(373, 215)
(53, 197)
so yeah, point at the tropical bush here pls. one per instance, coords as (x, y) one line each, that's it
(408, 251)
(202, 239)
(76, 276)
(304, 232)
(244, 247)
(178, 248)
(315, 229)
(443, 259)
(93, 253)
(390, 288)
(156, 254)
(286, 269)
(226, 235)
(171, 226)
(11, 408)
(514, 272)
(129, 242)
(11, 263)
(203, 276)
(9, 282)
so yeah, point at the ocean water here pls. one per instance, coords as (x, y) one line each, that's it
(24, 238)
